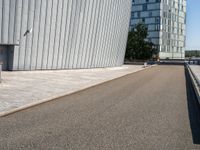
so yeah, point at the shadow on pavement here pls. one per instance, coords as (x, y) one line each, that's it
(193, 109)
(172, 63)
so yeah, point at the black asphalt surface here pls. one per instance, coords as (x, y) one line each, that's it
(155, 109)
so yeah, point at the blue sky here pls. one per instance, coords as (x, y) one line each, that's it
(193, 24)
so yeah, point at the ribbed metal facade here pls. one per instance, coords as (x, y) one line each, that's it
(65, 34)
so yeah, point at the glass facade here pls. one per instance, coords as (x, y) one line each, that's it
(166, 22)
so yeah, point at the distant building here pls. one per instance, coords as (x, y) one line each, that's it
(166, 22)
(63, 34)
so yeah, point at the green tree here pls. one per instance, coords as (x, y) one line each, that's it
(137, 46)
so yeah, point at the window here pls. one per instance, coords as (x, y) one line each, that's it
(165, 14)
(157, 19)
(132, 15)
(157, 27)
(138, 14)
(150, 14)
(144, 7)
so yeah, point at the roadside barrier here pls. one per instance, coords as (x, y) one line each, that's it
(1, 66)
(195, 82)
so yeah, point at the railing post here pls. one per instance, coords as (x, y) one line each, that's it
(1, 71)
(145, 64)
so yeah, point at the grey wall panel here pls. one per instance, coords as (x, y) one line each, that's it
(1, 14)
(47, 33)
(62, 33)
(68, 28)
(71, 36)
(17, 23)
(28, 47)
(79, 35)
(83, 33)
(102, 30)
(22, 40)
(57, 34)
(52, 34)
(5, 21)
(66, 33)
(11, 21)
(87, 30)
(1, 17)
(94, 34)
(98, 35)
(41, 34)
(74, 41)
(115, 33)
(35, 35)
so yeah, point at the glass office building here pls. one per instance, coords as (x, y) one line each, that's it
(166, 22)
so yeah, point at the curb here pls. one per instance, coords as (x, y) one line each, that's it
(14, 110)
(194, 82)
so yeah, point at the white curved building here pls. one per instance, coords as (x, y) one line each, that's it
(63, 34)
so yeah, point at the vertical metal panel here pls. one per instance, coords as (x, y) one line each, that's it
(79, 35)
(17, 32)
(101, 34)
(114, 32)
(65, 13)
(106, 31)
(120, 54)
(52, 34)
(119, 32)
(41, 33)
(71, 36)
(92, 34)
(109, 31)
(74, 41)
(89, 36)
(22, 40)
(5, 21)
(66, 33)
(11, 21)
(1, 17)
(98, 35)
(48, 18)
(82, 40)
(28, 47)
(57, 34)
(126, 29)
(35, 38)
(96, 26)
(87, 31)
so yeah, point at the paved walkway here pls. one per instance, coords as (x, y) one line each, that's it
(23, 89)
(155, 109)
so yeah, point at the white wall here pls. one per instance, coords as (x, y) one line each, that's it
(66, 33)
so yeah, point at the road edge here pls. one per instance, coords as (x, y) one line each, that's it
(194, 82)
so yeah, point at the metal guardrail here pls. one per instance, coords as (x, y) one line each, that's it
(195, 77)
(1, 67)
(195, 82)
(195, 61)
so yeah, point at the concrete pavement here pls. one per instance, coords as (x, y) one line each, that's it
(23, 89)
(154, 109)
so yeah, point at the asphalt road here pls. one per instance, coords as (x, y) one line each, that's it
(153, 109)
